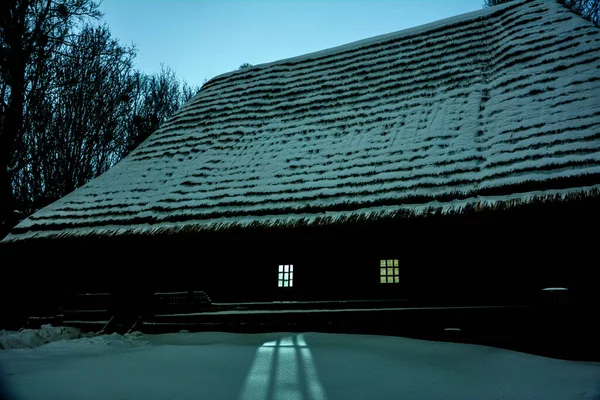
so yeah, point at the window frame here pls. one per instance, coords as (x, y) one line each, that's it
(285, 276)
(389, 271)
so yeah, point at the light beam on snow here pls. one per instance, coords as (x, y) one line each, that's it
(283, 369)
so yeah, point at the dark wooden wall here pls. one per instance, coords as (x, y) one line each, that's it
(496, 258)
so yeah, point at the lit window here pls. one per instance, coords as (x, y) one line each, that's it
(286, 276)
(389, 271)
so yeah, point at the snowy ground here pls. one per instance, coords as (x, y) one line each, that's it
(285, 366)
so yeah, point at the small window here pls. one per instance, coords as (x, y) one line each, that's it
(286, 276)
(389, 271)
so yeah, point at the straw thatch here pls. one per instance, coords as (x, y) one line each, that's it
(485, 111)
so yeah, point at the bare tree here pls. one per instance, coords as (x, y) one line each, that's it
(71, 106)
(88, 111)
(30, 30)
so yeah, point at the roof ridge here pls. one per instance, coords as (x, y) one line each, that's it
(415, 30)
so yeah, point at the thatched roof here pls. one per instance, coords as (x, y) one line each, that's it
(498, 105)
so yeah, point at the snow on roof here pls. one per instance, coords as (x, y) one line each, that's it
(492, 105)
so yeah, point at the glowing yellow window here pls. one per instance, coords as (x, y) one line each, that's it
(286, 276)
(389, 271)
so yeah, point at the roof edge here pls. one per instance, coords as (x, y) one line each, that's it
(460, 207)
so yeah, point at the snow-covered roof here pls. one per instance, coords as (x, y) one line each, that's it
(495, 105)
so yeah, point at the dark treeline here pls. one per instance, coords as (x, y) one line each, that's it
(589, 9)
(71, 103)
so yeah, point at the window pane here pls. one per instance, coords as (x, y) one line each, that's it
(291, 268)
(291, 276)
(390, 279)
(291, 283)
(286, 268)
(383, 279)
(390, 263)
(280, 277)
(383, 271)
(390, 271)
(396, 271)
(285, 283)
(396, 279)
(285, 276)
(281, 268)
(395, 263)
(280, 283)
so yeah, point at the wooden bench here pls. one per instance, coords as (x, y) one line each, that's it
(181, 302)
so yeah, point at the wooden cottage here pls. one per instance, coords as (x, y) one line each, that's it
(453, 163)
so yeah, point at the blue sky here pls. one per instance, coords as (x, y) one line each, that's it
(201, 39)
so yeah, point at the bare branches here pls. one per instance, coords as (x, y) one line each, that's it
(71, 104)
(588, 9)
(491, 3)
(26, 29)
(155, 99)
